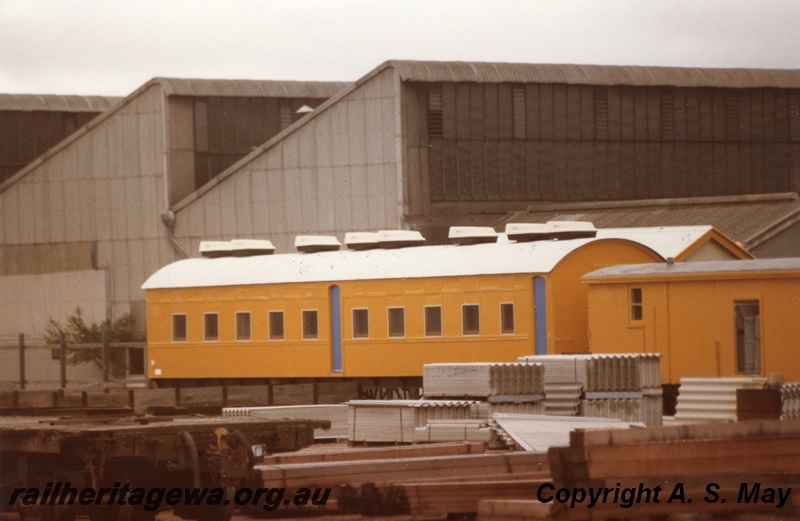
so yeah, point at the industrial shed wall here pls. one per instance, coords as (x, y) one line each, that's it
(93, 204)
(499, 144)
(335, 172)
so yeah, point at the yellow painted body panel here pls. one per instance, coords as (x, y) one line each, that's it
(692, 324)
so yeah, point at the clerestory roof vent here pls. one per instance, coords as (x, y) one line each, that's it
(472, 234)
(251, 247)
(527, 232)
(571, 229)
(316, 243)
(389, 239)
(361, 240)
(214, 249)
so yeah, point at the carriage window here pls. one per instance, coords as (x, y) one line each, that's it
(275, 319)
(179, 328)
(471, 319)
(636, 303)
(360, 323)
(433, 320)
(310, 330)
(243, 325)
(748, 336)
(397, 322)
(507, 318)
(211, 326)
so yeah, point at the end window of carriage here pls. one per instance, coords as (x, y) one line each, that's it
(507, 318)
(636, 304)
(310, 324)
(179, 328)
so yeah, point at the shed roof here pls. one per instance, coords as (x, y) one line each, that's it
(681, 269)
(250, 88)
(56, 103)
(413, 262)
(748, 219)
(481, 72)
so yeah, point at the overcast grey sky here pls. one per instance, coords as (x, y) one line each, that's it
(112, 47)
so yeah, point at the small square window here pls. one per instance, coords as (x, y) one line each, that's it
(179, 328)
(397, 322)
(243, 325)
(636, 304)
(211, 326)
(360, 323)
(310, 330)
(507, 318)
(275, 319)
(471, 319)
(433, 320)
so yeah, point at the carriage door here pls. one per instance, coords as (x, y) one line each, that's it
(540, 314)
(336, 329)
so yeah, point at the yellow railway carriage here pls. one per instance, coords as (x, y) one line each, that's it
(375, 313)
(720, 318)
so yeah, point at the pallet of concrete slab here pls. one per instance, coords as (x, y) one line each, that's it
(750, 464)
(482, 380)
(711, 399)
(602, 372)
(537, 433)
(394, 421)
(427, 468)
(437, 431)
(336, 414)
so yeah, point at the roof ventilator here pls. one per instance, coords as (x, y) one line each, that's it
(527, 232)
(472, 234)
(571, 229)
(390, 239)
(214, 249)
(316, 243)
(361, 240)
(251, 247)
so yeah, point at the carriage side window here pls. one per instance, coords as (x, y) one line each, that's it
(310, 330)
(636, 303)
(397, 322)
(243, 325)
(433, 320)
(471, 319)
(360, 323)
(275, 319)
(211, 326)
(179, 328)
(507, 318)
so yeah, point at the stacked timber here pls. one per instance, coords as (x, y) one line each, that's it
(742, 469)
(790, 401)
(711, 399)
(336, 414)
(395, 421)
(484, 380)
(624, 386)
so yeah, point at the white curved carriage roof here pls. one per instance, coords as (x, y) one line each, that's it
(414, 262)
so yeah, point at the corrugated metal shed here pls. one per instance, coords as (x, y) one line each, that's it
(691, 268)
(749, 219)
(432, 71)
(56, 103)
(250, 88)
